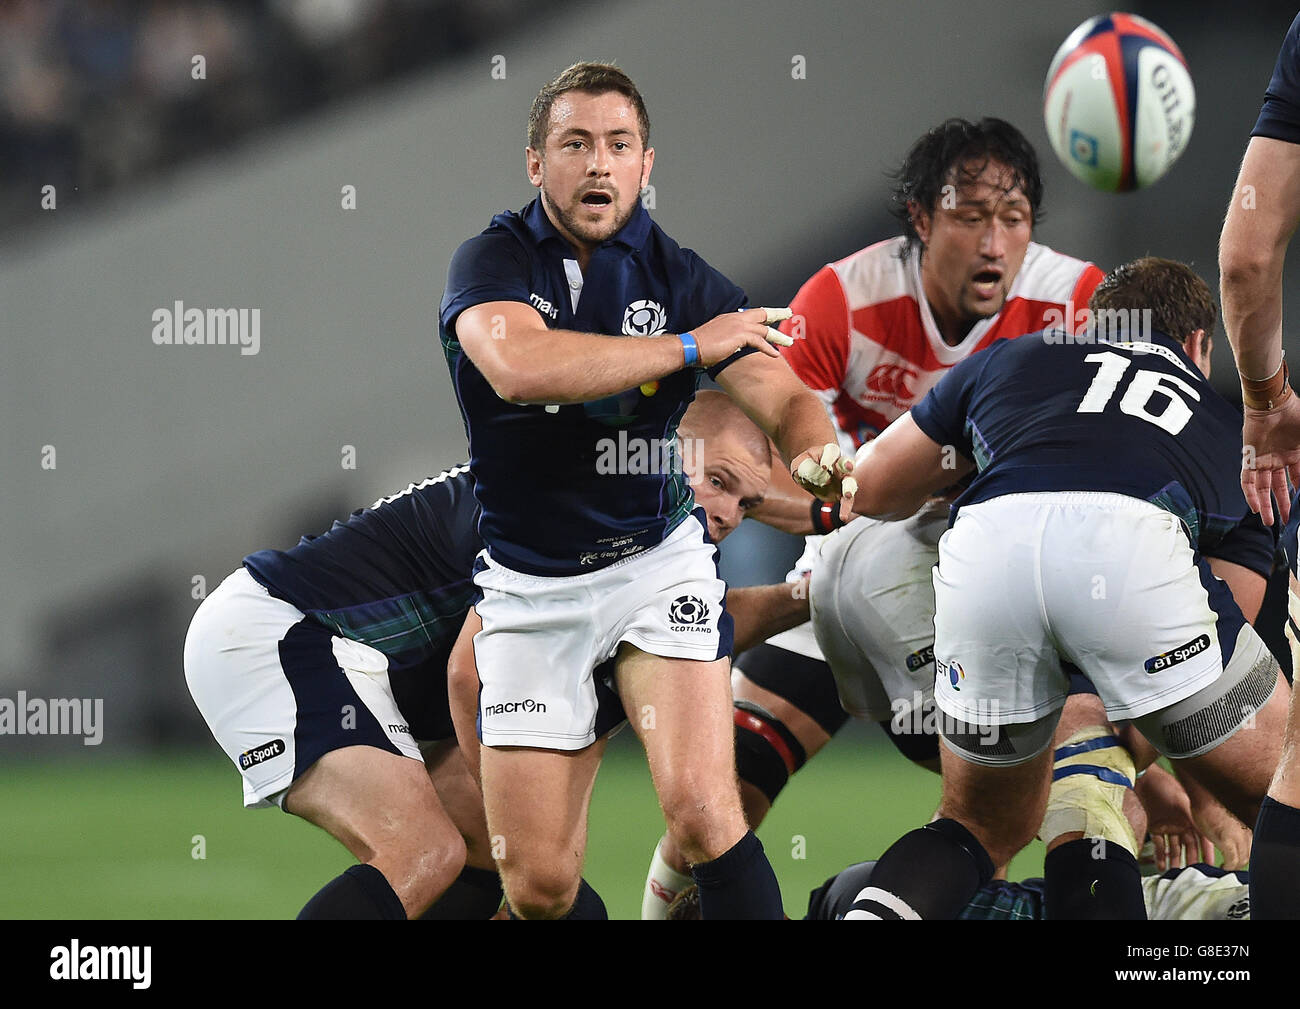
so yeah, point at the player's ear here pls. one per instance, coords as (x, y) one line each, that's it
(920, 221)
(647, 163)
(533, 166)
(1200, 355)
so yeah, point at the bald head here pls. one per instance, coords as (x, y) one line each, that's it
(727, 459)
(714, 413)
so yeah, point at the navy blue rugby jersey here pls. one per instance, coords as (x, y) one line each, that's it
(550, 503)
(395, 576)
(1280, 116)
(1134, 418)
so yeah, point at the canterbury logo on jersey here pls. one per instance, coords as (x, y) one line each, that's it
(890, 382)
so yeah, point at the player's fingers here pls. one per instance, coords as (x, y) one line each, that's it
(1161, 851)
(1249, 489)
(776, 314)
(775, 336)
(1281, 493)
(1207, 851)
(758, 340)
(810, 474)
(848, 488)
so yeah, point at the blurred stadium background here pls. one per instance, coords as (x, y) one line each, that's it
(226, 190)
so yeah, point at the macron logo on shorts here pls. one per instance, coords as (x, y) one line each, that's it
(257, 754)
(689, 613)
(509, 707)
(1181, 654)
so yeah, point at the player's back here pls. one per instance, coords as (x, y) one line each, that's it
(396, 575)
(1047, 413)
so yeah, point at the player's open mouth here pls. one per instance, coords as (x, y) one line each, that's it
(597, 199)
(986, 283)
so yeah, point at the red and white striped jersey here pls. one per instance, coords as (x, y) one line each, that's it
(867, 343)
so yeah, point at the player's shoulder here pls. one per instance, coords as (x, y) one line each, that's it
(506, 236)
(1050, 276)
(875, 274)
(451, 485)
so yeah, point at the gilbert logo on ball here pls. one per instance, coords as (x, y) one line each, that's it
(1118, 103)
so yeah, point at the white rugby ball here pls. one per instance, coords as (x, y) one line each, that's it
(1118, 103)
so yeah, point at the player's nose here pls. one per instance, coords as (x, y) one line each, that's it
(600, 163)
(993, 243)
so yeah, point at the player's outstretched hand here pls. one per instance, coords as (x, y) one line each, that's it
(1178, 842)
(1270, 453)
(719, 338)
(824, 472)
(1217, 823)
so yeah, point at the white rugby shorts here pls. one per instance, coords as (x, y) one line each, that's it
(543, 637)
(279, 690)
(1105, 582)
(872, 604)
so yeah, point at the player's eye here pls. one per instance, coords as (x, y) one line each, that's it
(717, 482)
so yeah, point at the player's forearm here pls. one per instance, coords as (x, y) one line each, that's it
(563, 366)
(1251, 292)
(759, 611)
(1261, 219)
(801, 425)
(786, 505)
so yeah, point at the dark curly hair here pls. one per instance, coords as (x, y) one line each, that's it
(955, 152)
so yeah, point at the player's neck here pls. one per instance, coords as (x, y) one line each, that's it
(952, 330)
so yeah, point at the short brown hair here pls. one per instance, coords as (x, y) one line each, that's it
(594, 77)
(1180, 302)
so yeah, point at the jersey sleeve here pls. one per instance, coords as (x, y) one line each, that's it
(820, 328)
(1279, 119)
(489, 267)
(1249, 543)
(1088, 281)
(942, 414)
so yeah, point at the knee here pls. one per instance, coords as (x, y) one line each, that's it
(539, 891)
(428, 870)
(704, 819)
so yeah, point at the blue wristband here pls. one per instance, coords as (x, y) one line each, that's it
(690, 349)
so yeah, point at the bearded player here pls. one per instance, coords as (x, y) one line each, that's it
(873, 333)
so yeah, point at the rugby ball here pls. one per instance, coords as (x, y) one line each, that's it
(1119, 102)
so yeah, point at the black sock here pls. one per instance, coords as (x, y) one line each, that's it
(361, 892)
(587, 906)
(739, 884)
(474, 895)
(1275, 862)
(1092, 880)
(933, 872)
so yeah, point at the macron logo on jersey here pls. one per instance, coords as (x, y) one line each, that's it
(543, 306)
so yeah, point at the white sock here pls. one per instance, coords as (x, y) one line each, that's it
(661, 886)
